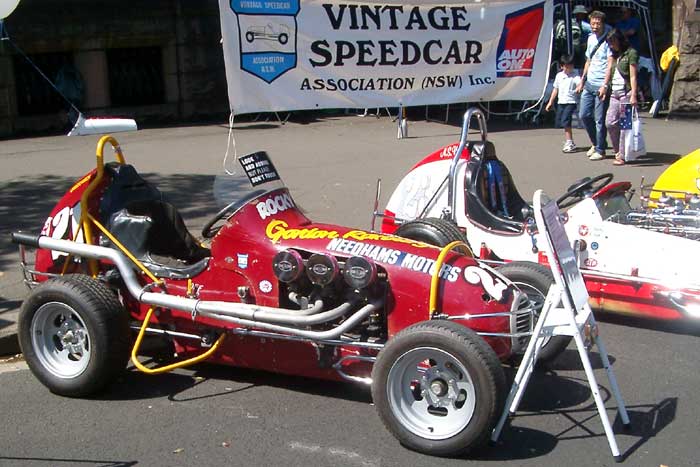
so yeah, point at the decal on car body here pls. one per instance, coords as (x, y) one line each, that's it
(394, 257)
(274, 204)
(278, 230)
(492, 285)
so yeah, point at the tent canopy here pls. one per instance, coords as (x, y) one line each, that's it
(640, 6)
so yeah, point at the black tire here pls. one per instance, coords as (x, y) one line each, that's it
(283, 38)
(471, 372)
(431, 230)
(535, 280)
(74, 334)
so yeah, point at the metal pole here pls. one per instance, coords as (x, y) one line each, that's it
(567, 22)
(402, 130)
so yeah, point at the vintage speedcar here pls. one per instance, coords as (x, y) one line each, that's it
(270, 289)
(627, 269)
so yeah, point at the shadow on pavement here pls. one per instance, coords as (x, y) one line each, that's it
(177, 387)
(683, 326)
(653, 159)
(8, 305)
(56, 461)
(569, 360)
(516, 443)
(26, 203)
(646, 421)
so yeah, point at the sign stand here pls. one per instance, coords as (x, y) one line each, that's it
(565, 313)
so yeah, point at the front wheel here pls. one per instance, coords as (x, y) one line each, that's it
(74, 334)
(534, 280)
(438, 388)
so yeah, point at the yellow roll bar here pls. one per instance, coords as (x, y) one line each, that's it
(84, 220)
(435, 280)
(172, 366)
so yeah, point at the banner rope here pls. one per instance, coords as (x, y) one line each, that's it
(231, 140)
(510, 114)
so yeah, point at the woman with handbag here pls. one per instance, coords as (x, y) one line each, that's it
(622, 66)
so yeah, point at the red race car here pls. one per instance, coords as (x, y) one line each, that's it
(269, 289)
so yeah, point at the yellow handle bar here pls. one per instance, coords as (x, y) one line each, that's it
(435, 280)
(164, 369)
(84, 199)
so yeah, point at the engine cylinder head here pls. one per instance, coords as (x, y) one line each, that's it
(288, 266)
(322, 269)
(360, 272)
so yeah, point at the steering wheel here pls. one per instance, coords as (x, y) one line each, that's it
(209, 229)
(576, 192)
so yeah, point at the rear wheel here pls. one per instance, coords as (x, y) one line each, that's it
(438, 232)
(438, 388)
(74, 334)
(535, 280)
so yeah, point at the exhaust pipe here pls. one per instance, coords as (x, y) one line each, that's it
(274, 319)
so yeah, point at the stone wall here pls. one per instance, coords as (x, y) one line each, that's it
(685, 94)
(186, 32)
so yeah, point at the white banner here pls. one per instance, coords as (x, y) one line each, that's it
(293, 55)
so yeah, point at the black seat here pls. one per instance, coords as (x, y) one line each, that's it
(152, 229)
(492, 200)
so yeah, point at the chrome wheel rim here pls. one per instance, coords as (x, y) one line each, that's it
(431, 393)
(60, 340)
(536, 299)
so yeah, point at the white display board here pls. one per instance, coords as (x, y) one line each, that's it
(292, 54)
(565, 313)
(564, 263)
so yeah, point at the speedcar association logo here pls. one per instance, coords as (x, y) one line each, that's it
(267, 32)
(518, 44)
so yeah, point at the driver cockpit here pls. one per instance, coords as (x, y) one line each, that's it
(491, 197)
(139, 217)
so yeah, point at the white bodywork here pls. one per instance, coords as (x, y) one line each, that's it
(610, 247)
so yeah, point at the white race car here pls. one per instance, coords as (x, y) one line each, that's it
(627, 269)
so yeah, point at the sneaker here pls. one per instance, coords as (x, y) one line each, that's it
(596, 156)
(569, 147)
(590, 151)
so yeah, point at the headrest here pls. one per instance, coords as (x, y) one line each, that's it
(482, 149)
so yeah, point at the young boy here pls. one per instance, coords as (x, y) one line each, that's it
(565, 88)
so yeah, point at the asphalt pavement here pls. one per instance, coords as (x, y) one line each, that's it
(214, 416)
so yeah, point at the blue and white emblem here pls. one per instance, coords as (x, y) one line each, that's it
(242, 260)
(267, 34)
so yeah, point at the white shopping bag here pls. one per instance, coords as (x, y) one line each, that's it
(632, 138)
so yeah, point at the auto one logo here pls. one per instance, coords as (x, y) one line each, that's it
(518, 44)
(274, 204)
(516, 60)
